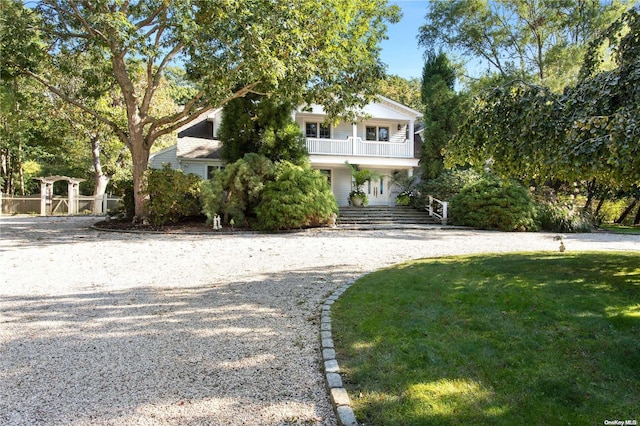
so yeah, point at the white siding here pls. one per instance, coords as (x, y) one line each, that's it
(341, 180)
(343, 131)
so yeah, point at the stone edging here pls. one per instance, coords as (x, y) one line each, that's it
(339, 397)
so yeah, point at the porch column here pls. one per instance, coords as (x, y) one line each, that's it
(71, 197)
(354, 133)
(412, 138)
(43, 197)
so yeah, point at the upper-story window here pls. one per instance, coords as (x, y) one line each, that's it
(374, 133)
(317, 130)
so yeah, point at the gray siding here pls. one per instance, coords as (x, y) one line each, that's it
(165, 157)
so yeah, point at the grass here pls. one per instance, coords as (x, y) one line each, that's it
(501, 340)
(621, 229)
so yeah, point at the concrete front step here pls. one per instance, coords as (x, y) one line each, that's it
(383, 215)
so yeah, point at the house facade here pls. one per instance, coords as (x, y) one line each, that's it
(382, 139)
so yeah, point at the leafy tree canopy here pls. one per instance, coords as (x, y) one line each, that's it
(402, 90)
(540, 39)
(591, 131)
(263, 125)
(326, 52)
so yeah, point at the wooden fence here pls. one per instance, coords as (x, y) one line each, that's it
(57, 205)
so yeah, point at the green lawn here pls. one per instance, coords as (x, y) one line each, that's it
(621, 229)
(542, 338)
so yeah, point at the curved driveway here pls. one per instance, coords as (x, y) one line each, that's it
(111, 328)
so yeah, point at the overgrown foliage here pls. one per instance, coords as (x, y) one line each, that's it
(494, 204)
(298, 197)
(448, 184)
(262, 125)
(591, 131)
(541, 41)
(255, 192)
(562, 218)
(173, 195)
(443, 112)
(402, 90)
(235, 191)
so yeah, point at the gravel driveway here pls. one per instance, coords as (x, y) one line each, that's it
(126, 329)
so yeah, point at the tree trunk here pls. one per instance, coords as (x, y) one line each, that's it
(636, 221)
(599, 206)
(626, 212)
(101, 179)
(5, 170)
(140, 159)
(591, 191)
(19, 165)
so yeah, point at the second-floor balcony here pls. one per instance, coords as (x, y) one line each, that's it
(355, 146)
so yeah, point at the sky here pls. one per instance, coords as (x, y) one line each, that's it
(401, 52)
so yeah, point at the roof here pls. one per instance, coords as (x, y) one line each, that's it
(383, 108)
(192, 148)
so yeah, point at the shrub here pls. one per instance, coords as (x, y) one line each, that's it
(126, 207)
(173, 195)
(448, 184)
(561, 218)
(494, 204)
(298, 197)
(234, 192)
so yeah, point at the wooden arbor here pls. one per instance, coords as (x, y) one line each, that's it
(46, 193)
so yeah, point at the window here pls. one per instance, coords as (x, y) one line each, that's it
(374, 133)
(317, 130)
(211, 170)
(327, 174)
(312, 130)
(383, 134)
(325, 131)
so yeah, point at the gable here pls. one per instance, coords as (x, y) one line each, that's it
(383, 108)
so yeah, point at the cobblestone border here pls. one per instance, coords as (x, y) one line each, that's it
(339, 397)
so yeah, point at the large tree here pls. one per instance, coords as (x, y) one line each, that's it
(541, 40)
(405, 91)
(262, 125)
(442, 111)
(301, 50)
(590, 133)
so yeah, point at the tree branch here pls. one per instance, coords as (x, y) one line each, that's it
(117, 130)
(150, 18)
(187, 115)
(92, 31)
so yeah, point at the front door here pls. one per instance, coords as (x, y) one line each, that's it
(378, 192)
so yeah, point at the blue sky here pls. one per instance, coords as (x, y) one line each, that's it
(401, 52)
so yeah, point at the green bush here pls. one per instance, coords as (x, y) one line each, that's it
(126, 207)
(173, 195)
(448, 184)
(561, 218)
(494, 204)
(234, 192)
(298, 197)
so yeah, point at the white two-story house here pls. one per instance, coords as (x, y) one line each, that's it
(382, 139)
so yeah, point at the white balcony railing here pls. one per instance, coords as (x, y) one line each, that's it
(356, 146)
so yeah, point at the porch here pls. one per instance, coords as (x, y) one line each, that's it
(355, 146)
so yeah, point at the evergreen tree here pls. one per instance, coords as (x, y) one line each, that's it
(261, 125)
(442, 111)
